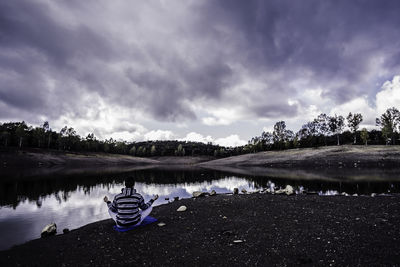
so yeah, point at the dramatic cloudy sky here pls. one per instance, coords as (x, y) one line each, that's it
(220, 71)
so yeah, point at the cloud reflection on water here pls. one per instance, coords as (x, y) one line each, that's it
(84, 206)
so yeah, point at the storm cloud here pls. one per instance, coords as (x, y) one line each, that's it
(157, 62)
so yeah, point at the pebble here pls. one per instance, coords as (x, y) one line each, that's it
(161, 224)
(182, 208)
(238, 241)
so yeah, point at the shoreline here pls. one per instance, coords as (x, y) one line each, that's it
(273, 229)
(345, 156)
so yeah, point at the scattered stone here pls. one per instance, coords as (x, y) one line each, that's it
(235, 191)
(182, 208)
(373, 194)
(213, 193)
(161, 224)
(48, 230)
(244, 191)
(238, 241)
(225, 217)
(65, 230)
(288, 190)
(198, 194)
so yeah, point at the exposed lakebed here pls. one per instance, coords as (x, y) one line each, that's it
(72, 200)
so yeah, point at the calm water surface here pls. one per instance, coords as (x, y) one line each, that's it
(27, 204)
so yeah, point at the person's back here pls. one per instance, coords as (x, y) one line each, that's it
(125, 208)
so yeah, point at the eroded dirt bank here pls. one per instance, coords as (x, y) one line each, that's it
(333, 156)
(226, 230)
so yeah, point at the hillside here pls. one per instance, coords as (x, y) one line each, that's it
(332, 156)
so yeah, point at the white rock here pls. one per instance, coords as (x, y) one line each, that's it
(238, 241)
(288, 190)
(182, 208)
(213, 193)
(161, 224)
(198, 194)
(50, 229)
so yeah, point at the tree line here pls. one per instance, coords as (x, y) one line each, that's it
(21, 135)
(322, 131)
(330, 130)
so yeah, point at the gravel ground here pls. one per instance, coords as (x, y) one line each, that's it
(229, 230)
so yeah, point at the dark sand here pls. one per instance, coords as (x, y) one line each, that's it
(276, 230)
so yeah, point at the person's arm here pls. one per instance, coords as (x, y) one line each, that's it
(112, 206)
(144, 206)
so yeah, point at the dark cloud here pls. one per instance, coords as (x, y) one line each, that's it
(163, 60)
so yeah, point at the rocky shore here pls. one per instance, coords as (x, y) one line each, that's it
(225, 230)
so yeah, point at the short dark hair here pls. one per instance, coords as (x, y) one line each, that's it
(130, 182)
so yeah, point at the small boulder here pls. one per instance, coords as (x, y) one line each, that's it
(48, 230)
(176, 198)
(198, 194)
(213, 193)
(161, 224)
(65, 230)
(235, 191)
(182, 208)
(244, 191)
(288, 190)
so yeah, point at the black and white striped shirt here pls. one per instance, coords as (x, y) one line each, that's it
(126, 205)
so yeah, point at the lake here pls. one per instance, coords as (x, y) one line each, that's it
(31, 199)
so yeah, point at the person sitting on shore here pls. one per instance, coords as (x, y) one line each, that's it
(125, 207)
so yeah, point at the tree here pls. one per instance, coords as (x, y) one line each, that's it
(153, 150)
(179, 151)
(354, 121)
(322, 125)
(364, 136)
(280, 134)
(132, 151)
(20, 132)
(336, 125)
(4, 136)
(39, 135)
(267, 139)
(389, 121)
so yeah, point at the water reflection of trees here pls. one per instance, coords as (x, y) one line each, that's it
(13, 192)
(34, 189)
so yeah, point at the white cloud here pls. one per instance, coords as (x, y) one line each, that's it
(358, 105)
(196, 137)
(389, 96)
(159, 135)
(231, 140)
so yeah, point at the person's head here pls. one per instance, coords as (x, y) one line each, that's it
(130, 182)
